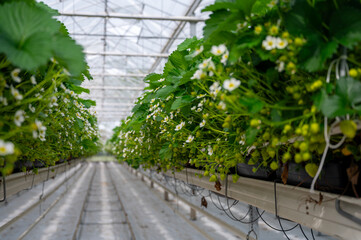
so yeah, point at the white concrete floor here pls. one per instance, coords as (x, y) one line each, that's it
(90, 209)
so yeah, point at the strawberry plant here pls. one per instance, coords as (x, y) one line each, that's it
(42, 117)
(265, 86)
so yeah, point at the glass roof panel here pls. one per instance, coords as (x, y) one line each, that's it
(99, 35)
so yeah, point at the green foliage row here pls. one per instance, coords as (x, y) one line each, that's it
(254, 90)
(42, 117)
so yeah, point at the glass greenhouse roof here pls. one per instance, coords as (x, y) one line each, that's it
(122, 47)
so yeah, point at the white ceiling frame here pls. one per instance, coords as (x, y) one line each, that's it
(157, 55)
(138, 17)
(115, 88)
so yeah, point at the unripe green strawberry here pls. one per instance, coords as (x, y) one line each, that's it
(313, 109)
(266, 136)
(223, 176)
(315, 128)
(206, 173)
(213, 178)
(349, 128)
(303, 146)
(274, 142)
(311, 169)
(235, 178)
(353, 72)
(284, 139)
(271, 152)
(274, 165)
(287, 128)
(299, 41)
(306, 156)
(298, 131)
(255, 123)
(296, 144)
(305, 129)
(298, 158)
(286, 156)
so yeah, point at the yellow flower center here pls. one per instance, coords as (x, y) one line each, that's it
(2, 150)
(231, 85)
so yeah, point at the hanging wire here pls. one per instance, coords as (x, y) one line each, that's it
(339, 72)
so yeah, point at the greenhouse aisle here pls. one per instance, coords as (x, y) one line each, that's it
(104, 201)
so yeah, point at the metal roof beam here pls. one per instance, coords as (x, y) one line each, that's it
(157, 55)
(123, 36)
(119, 75)
(138, 17)
(175, 33)
(116, 88)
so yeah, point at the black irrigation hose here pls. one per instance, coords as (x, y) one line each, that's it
(231, 215)
(303, 232)
(186, 188)
(276, 229)
(313, 236)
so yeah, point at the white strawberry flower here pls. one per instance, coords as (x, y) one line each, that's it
(190, 139)
(33, 80)
(31, 108)
(211, 67)
(203, 123)
(205, 63)
(222, 105)
(53, 101)
(225, 58)
(17, 95)
(19, 117)
(218, 50)
(210, 151)
(198, 51)
(15, 75)
(180, 126)
(231, 84)
(214, 89)
(4, 100)
(269, 43)
(161, 80)
(6, 148)
(199, 74)
(281, 43)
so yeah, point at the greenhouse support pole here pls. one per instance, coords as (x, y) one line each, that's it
(193, 28)
(166, 195)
